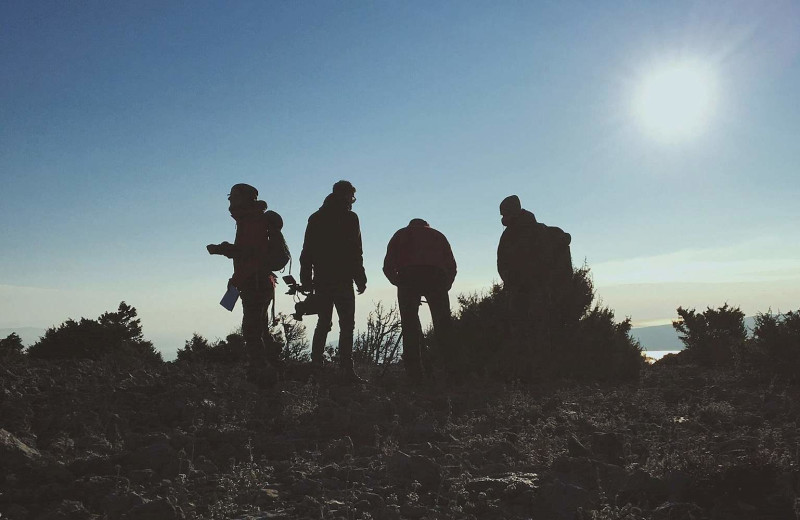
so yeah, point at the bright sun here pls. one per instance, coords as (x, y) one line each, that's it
(674, 103)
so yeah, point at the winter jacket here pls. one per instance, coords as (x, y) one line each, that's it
(531, 253)
(413, 251)
(332, 254)
(250, 248)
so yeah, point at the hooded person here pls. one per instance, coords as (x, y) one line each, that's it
(420, 262)
(330, 263)
(535, 264)
(251, 275)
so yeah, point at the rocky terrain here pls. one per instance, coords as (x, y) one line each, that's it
(83, 439)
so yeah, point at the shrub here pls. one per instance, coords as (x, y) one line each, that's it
(11, 346)
(117, 334)
(714, 337)
(776, 339)
(287, 341)
(579, 341)
(380, 343)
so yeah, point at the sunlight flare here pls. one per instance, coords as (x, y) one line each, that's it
(676, 101)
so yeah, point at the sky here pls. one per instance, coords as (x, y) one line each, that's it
(123, 126)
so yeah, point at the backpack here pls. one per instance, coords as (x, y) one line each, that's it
(278, 254)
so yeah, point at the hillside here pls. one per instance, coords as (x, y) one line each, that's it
(94, 440)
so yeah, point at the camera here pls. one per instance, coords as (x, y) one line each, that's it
(304, 307)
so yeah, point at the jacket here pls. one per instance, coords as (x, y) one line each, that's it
(332, 255)
(531, 253)
(414, 248)
(250, 248)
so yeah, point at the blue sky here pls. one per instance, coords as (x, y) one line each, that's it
(125, 124)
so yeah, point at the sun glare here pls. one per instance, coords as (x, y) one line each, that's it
(674, 103)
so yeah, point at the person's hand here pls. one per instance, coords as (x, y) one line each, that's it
(213, 249)
(230, 283)
(360, 288)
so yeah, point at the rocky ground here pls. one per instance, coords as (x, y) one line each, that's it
(82, 440)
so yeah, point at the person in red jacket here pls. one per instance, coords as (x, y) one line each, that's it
(420, 262)
(251, 276)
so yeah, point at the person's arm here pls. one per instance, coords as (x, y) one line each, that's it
(390, 260)
(307, 258)
(359, 275)
(503, 268)
(450, 262)
(225, 249)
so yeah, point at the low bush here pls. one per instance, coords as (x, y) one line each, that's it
(112, 334)
(714, 337)
(11, 346)
(569, 338)
(287, 341)
(776, 342)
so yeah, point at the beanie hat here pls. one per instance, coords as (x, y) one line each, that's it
(510, 205)
(245, 190)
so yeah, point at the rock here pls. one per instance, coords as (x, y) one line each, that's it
(576, 449)
(96, 465)
(374, 499)
(580, 471)
(266, 497)
(142, 476)
(337, 450)
(67, 510)
(116, 504)
(159, 509)
(559, 500)
(608, 447)
(205, 465)
(424, 430)
(416, 467)
(508, 486)
(15, 454)
(501, 452)
(15, 512)
(306, 486)
(413, 511)
(159, 457)
(677, 511)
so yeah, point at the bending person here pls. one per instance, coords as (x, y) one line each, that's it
(420, 262)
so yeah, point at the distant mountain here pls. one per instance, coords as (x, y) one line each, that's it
(28, 335)
(665, 337)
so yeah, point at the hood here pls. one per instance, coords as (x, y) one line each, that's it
(335, 203)
(523, 218)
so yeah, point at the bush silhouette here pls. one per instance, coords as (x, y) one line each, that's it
(776, 340)
(228, 350)
(288, 341)
(714, 337)
(117, 334)
(583, 342)
(11, 346)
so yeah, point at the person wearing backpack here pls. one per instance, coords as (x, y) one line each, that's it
(331, 261)
(252, 275)
(535, 264)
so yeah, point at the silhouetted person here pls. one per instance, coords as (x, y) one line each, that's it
(251, 276)
(535, 264)
(420, 263)
(331, 261)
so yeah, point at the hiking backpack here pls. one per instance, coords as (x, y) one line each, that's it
(278, 254)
